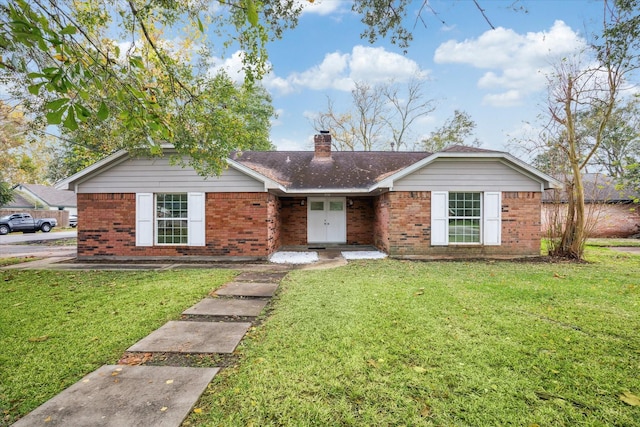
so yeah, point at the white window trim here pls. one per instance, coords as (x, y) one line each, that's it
(146, 221)
(490, 220)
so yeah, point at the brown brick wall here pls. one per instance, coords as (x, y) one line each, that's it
(603, 220)
(273, 223)
(360, 221)
(409, 222)
(410, 227)
(381, 222)
(236, 225)
(293, 217)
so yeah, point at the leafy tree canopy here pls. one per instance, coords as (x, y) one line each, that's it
(138, 72)
(457, 130)
(135, 74)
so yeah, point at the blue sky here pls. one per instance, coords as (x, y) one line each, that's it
(497, 76)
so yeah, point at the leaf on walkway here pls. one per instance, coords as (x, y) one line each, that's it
(169, 381)
(629, 398)
(163, 409)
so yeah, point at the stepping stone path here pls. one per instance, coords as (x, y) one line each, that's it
(123, 395)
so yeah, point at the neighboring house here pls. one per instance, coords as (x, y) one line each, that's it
(611, 212)
(42, 201)
(37, 196)
(461, 202)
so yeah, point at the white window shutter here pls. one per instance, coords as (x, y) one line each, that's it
(196, 209)
(144, 219)
(492, 221)
(439, 218)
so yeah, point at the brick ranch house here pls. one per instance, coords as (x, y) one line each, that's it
(460, 202)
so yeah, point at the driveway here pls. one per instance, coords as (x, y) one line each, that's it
(24, 245)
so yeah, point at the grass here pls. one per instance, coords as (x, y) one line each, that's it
(56, 326)
(614, 242)
(16, 260)
(441, 344)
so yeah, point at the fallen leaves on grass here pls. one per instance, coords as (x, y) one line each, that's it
(39, 339)
(426, 411)
(629, 398)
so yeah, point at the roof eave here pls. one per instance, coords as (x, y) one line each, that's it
(72, 182)
(269, 184)
(545, 180)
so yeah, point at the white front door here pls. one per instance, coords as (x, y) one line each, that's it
(326, 220)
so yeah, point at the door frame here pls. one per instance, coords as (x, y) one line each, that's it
(343, 218)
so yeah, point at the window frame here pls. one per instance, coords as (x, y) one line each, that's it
(463, 218)
(146, 219)
(184, 236)
(490, 221)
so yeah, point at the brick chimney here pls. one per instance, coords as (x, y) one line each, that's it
(322, 143)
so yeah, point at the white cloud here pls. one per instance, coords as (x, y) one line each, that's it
(232, 65)
(340, 71)
(320, 7)
(509, 98)
(518, 63)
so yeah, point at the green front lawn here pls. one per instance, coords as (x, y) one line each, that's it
(442, 343)
(56, 327)
(373, 343)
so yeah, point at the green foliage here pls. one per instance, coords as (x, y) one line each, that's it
(457, 130)
(6, 194)
(70, 70)
(441, 343)
(56, 327)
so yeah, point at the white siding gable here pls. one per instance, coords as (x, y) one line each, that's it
(153, 175)
(467, 175)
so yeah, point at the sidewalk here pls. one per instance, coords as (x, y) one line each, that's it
(125, 395)
(135, 394)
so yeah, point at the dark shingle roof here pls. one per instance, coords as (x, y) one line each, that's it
(19, 201)
(51, 195)
(298, 170)
(465, 149)
(598, 188)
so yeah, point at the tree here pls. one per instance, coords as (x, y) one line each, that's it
(577, 91)
(81, 63)
(620, 145)
(405, 110)
(455, 131)
(362, 127)
(24, 159)
(229, 114)
(93, 60)
(380, 116)
(6, 194)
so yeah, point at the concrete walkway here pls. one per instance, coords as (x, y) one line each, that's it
(122, 395)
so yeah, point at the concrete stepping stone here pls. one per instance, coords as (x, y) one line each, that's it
(250, 276)
(248, 289)
(193, 337)
(122, 396)
(227, 307)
